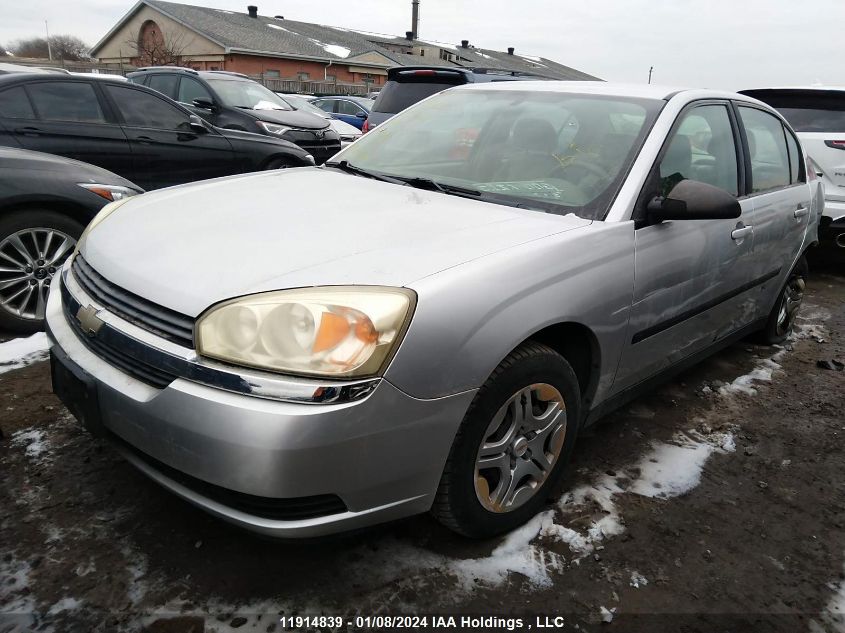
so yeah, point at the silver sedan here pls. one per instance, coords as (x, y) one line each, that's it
(427, 322)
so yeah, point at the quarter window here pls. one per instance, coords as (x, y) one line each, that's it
(140, 109)
(767, 150)
(66, 101)
(14, 104)
(702, 149)
(796, 171)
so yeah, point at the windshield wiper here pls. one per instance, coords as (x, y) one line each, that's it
(358, 171)
(433, 185)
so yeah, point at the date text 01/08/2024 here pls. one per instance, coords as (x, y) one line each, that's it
(425, 622)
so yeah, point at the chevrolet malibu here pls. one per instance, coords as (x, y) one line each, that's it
(427, 322)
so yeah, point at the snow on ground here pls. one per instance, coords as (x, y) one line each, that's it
(35, 441)
(832, 619)
(20, 352)
(15, 580)
(338, 51)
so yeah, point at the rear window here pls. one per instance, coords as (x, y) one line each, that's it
(811, 111)
(395, 96)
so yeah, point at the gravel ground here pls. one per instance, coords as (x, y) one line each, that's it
(716, 503)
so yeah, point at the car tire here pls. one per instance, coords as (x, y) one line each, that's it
(781, 319)
(30, 230)
(473, 497)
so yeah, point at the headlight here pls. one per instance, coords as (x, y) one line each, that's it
(272, 128)
(331, 331)
(109, 192)
(105, 212)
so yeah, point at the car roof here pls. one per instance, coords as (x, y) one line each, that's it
(641, 91)
(13, 78)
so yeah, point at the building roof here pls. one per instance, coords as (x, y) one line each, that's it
(239, 33)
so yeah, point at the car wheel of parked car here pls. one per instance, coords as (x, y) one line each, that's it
(33, 246)
(512, 445)
(782, 317)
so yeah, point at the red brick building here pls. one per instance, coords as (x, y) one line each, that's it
(155, 32)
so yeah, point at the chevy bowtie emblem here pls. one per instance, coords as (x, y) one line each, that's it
(88, 319)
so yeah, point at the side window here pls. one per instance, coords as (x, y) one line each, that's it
(796, 170)
(165, 84)
(190, 89)
(324, 105)
(66, 101)
(347, 107)
(767, 147)
(702, 149)
(14, 104)
(140, 109)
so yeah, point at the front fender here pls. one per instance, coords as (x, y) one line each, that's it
(470, 317)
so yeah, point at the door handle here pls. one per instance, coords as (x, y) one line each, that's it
(800, 212)
(144, 140)
(28, 131)
(739, 233)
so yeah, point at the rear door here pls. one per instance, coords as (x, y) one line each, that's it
(166, 150)
(71, 120)
(694, 280)
(780, 195)
(15, 111)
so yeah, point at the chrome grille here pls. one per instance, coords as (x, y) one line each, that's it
(154, 318)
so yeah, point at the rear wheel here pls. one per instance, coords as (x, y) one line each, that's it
(512, 445)
(33, 246)
(781, 319)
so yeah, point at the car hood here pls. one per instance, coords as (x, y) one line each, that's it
(343, 128)
(292, 118)
(194, 245)
(255, 137)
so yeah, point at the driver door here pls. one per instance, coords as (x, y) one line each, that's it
(693, 278)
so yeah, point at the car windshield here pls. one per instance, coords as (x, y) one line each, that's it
(551, 151)
(247, 94)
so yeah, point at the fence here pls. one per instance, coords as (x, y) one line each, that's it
(313, 87)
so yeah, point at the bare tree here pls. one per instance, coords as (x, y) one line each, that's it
(68, 47)
(154, 47)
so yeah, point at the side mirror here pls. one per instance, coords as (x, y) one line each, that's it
(197, 125)
(202, 102)
(694, 200)
(361, 115)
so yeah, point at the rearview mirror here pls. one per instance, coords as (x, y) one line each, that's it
(197, 124)
(202, 102)
(694, 200)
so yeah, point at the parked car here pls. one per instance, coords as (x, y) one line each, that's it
(45, 203)
(410, 328)
(130, 130)
(347, 133)
(407, 85)
(351, 110)
(235, 102)
(372, 94)
(817, 114)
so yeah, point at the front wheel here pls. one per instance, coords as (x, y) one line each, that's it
(512, 445)
(781, 319)
(33, 246)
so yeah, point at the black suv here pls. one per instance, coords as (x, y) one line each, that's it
(236, 102)
(130, 130)
(406, 85)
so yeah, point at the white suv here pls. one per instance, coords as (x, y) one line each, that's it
(817, 114)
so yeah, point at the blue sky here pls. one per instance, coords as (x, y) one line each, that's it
(729, 44)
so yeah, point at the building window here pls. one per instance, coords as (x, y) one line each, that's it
(214, 68)
(271, 73)
(332, 78)
(303, 76)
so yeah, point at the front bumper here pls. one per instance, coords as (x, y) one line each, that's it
(832, 228)
(381, 455)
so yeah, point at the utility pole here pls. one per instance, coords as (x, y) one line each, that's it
(650, 70)
(49, 49)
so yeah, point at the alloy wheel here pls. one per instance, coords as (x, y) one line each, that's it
(29, 259)
(520, 448)
(793, 295)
